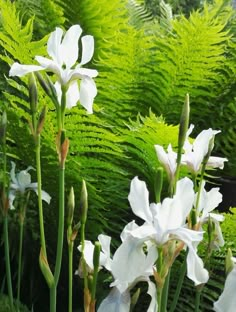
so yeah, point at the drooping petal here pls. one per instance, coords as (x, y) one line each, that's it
(11, 198)
(195, 267)
(88, 253)
(46, 197)
(12, 173)
(72, 95)
(87, 49)
(53, 46)
(139, 200)
(88, 91)
(152, 291)
(216, 162)
(105, 259)
(21, 70)
(227, 300)
(116, 302)
(130, 264)
(70, 46)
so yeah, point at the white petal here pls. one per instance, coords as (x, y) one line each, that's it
(227, 300)
(88, 91)
(70, 46)
(53, 45)
(11, 198)
(21, 70)
(87, 49)
(72, 95)
(88, 253)
(46, 197)
(130, 264)
(168, 160)
(216, 162)
(80, 73)
(139, 200)
(49, 65)
(152, 291)
(172, 213)
(128, 229)
(115, 302)
(195, 267)
(12, 173)
(105, 259)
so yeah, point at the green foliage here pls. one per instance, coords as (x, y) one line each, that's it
(5, 307)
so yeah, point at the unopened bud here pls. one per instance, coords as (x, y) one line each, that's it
(48, 87)
(158, 184)
(96, 255)
(33, 93)
(71, 206)
(41, 121)
(84, 203)
(44, 266)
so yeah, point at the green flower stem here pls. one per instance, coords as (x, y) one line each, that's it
(7, 261)
(159, 299)
(5, 221)
(21, 221)
(180, 283)
(53, 296)
(40, 203)
(60, 236)
(165, 292)
(197, 300)
(70, 251)
(82, 235)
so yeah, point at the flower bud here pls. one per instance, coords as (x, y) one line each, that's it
(158, 184)
(44, 266)
(48, 87)
(33, 93)
(41, 120)
(71, 206)
(84, 203)
(96, 255)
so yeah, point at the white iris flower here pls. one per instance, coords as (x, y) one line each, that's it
(166, 221)
(21, 182)
(195, 153)
(64, 52)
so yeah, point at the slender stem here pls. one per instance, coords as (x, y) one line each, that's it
(60, 237)
(60, 234)
(159, 298)
(197, 300)
(7, 261)
(165, 292)
(82, 234)
(179, 284)
(21, 221)
(39, 179)
(70, 250)
(5, 220)
(53, 296)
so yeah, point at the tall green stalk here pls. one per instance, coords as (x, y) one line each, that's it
(5, 210)
(21, 223)
(70, 268)
(7, 262)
